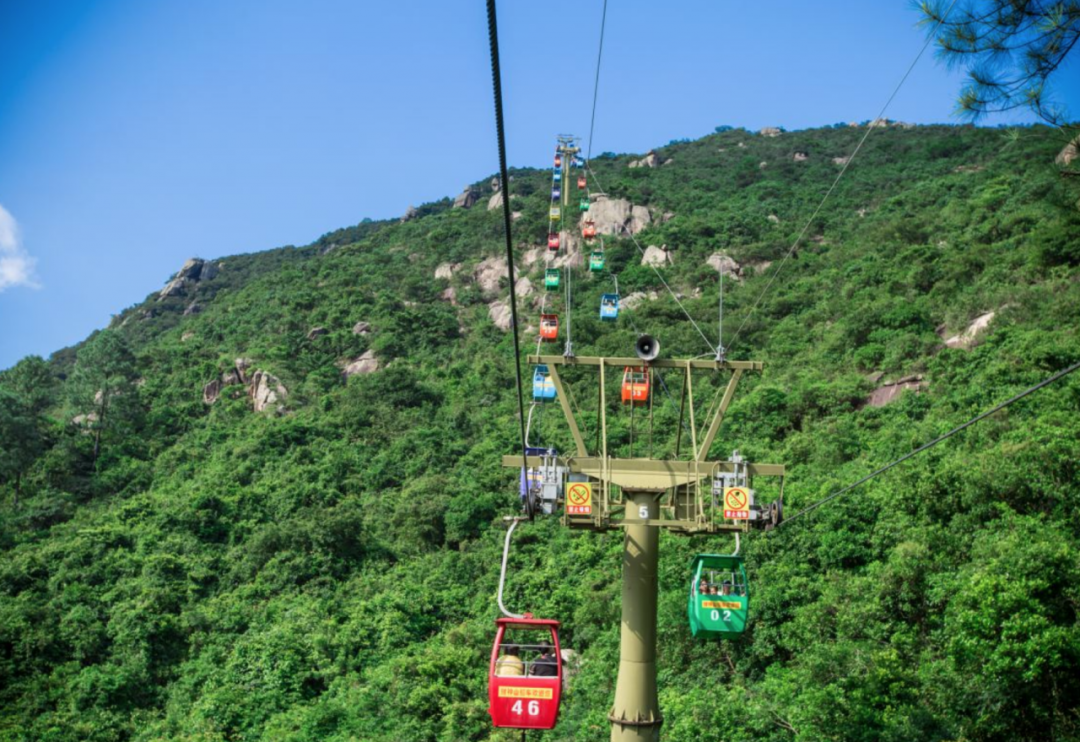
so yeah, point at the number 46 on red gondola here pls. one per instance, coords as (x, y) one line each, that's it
(525, 676)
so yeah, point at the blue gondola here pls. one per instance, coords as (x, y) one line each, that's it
(609, 306)
(557, 177)
(543, 386)
(555, 194)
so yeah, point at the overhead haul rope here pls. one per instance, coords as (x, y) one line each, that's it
(873, 125)
(641, 250)
(997, 408)
(600, 187)
(496, 82)
(596, 83)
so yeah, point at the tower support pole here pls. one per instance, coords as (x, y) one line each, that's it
(635, 717)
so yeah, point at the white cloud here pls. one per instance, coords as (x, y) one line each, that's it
(16, 267)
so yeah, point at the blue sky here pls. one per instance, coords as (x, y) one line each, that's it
(134, 135)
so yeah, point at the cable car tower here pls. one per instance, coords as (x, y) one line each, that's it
(689, 493)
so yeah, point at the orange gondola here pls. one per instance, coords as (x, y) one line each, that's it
(581, 182)
(549, 327)
(635, 385)
(589, 230)
(553, 241)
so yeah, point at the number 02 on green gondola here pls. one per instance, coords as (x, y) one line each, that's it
(719, 602)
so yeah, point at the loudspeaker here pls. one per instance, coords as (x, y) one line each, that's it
(647, 348)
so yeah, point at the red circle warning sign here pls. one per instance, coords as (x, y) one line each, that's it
(579, 494)
(735, 498)
(737, 503)
(579, 498)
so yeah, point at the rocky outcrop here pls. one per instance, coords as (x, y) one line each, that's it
(192, 308)
(450, 295)
(617, 216)
(840, 160)
(85, 421)
(523, 287)
(494, 184)
(466, 198)
(773, 218)
(649, 160)
(495, 201)
(757, 266)
(175, 287)
(234, 376)
(500, 314)
(316, 332)
(212, 391)
(447, 270)
(194, 271)
(363, 364)
(267, 392)
(187, 336)
(489, 272)
(770, 131)
(410, 214)
(361, 328)
(891, 390)
(966, 339)
(723, 264)
(800, 157)
(656, 256)
(631, 301)
(571, 253)
(531, 256)
(1069, 152)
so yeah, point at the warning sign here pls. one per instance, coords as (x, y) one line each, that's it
(513, 691)
(728, 604)
(579, 498)
(737, 503)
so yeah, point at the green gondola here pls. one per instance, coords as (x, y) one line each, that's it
(551, 279)
(584, 204)
(596, 261)
(719, 603)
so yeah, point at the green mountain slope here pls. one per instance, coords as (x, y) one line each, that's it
(326, 569)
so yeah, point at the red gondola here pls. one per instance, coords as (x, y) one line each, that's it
(635, 385)
(524, 692)
(589, 230)
(549, 327)
(553, 241)
(581, 182)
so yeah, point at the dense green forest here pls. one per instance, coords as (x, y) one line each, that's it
(179, 566)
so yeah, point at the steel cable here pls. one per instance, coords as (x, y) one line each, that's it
(939, 439)
(504, 183)
(851, 158)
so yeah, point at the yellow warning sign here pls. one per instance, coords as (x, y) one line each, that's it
(737, 503)
(514, 691)
(579, 498)
(730, 604)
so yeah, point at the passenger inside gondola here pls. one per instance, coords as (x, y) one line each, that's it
(721, 583)
(509, 663)
(546, 664)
